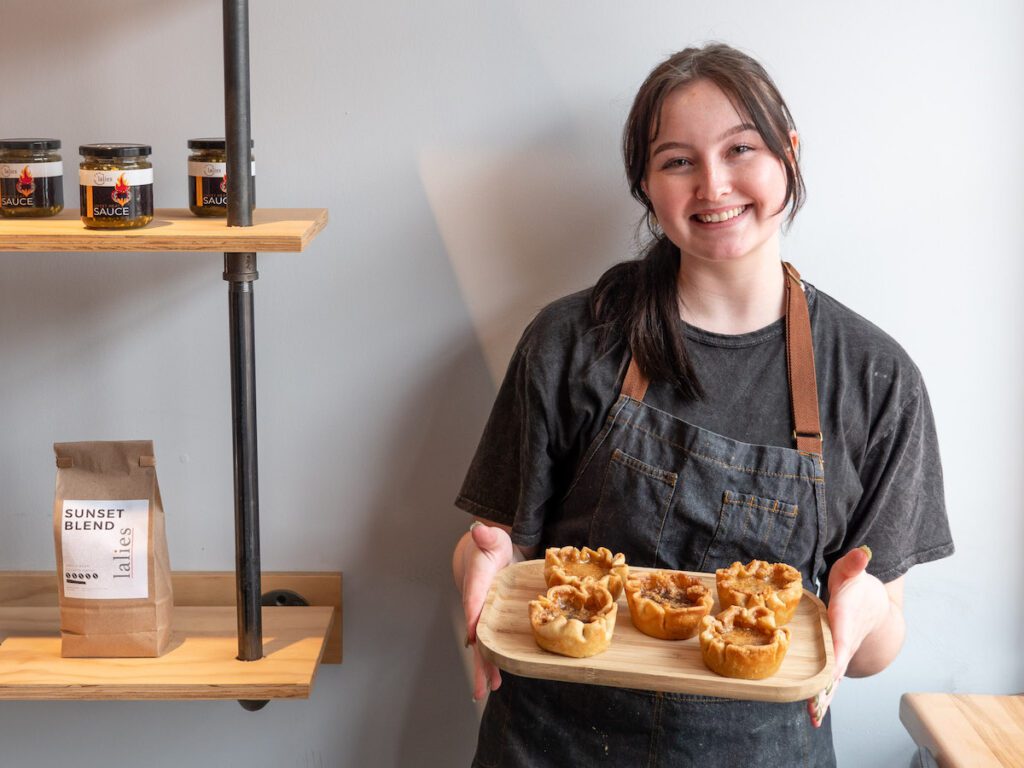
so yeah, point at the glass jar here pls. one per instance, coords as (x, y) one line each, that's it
(115, 185)
(31, 178)
(208, 176)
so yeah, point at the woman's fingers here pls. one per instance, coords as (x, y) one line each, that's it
(818, 706)
(847, 586)
(849, 566)
(479, 676)
(850, 609)
(489, 550)
(486, 676)
(492, 541)
(477, 558)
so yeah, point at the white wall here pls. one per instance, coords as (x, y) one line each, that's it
(468, 152)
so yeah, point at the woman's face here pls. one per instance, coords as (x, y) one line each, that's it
(715, 187)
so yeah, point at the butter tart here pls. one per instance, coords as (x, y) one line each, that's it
(568, 565)
(776, 586)
(667, 604)
(743, 643)
(574, 621)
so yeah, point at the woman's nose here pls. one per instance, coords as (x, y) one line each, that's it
(714, 182)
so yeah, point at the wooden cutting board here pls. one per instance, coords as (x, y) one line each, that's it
(636, 660)
(963, 731)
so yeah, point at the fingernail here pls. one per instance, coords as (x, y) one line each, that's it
(475, 524)
(867, 550)
(476, 700)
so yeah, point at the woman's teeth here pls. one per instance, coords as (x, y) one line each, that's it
(714, 218)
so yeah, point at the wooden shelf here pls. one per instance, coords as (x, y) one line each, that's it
(201, 663)
(172, 229)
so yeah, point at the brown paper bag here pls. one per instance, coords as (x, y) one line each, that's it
(112, 564)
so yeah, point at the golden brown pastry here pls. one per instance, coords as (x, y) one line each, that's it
(568, 565)
(574, 621)
(743, 643)
(774, 585)
(667, 604)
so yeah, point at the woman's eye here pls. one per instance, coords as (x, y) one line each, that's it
(741, 149)
(677, 162)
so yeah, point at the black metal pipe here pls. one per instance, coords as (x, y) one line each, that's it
(237, 121)
(240, 272)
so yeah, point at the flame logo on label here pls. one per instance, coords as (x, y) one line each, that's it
(122, 194)
(26, 184)
(224, 184)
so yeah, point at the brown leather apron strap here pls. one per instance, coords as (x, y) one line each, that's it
(803, 386)
(635, 383)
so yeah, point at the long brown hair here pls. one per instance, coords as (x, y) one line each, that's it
(640, 296)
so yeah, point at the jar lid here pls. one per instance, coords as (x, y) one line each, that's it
(213, 143)
(29, 143)
(115, 150)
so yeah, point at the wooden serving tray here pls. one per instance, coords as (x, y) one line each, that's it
(636, 660)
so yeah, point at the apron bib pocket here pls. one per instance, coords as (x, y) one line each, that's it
(750, 528)
(631, 508)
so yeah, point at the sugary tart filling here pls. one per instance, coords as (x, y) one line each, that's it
(754, 585)
(746, 636)
(564, 605)
(667, 594)
(585, 568)
(585, 606)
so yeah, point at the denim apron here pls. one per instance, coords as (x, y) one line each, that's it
(669, 494)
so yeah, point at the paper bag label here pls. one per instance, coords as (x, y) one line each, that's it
(104, 548)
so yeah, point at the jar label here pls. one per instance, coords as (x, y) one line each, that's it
(208, 185)
(35, 170)
(104, 548)
(132, 178)
(209, 170)
(121, 199)
(31, 185)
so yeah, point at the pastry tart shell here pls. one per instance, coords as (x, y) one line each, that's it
(677, 619)
(743, 660)
(556, 629)
(779, 587)
(569, 565)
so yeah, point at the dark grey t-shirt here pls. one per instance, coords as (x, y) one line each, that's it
(883, 479)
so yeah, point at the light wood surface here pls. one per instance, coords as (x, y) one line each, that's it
(636, 660)
(197, 589)
(967, 731)
(200, 665)
(172, 229)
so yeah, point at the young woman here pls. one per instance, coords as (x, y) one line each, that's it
(699, 406)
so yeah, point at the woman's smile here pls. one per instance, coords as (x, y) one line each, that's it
(720, 216)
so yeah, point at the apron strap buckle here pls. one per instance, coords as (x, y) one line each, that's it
(812, 442)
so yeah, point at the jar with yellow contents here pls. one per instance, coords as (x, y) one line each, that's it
(116, 185)
(208, 176)
(31, 178)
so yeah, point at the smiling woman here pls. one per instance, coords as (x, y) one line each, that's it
(715, 187)
(677, 412)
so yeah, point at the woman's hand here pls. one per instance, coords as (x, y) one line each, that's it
(478, 557)
(866, 619)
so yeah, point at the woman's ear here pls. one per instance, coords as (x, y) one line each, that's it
(794, 142)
